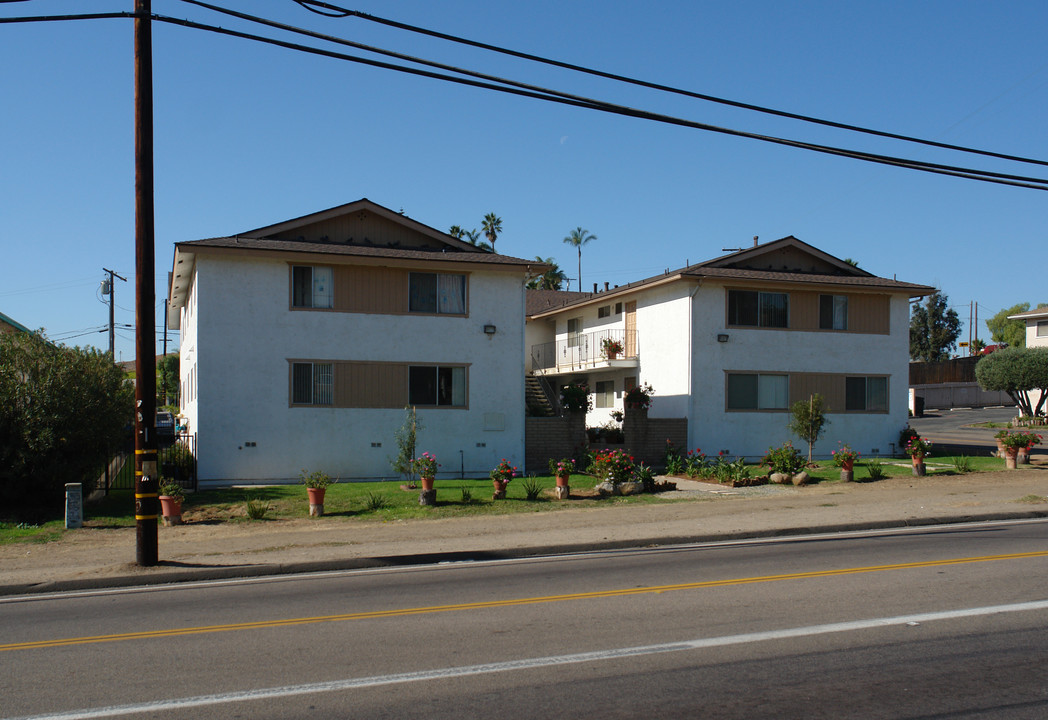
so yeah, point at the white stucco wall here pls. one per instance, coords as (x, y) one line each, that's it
(750, 434)
(246, 334)
(1031, 333)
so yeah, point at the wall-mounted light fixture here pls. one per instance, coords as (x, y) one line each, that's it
(722, 337)
(489, 329)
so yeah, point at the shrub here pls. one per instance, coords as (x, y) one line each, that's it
(257, 508)
(375, 500)
(575, 397)
(171, 489)
(875, 469)
(467, 495)
(786, 459)
(612, 465)
(695, 463)
(639, 397)
(531, 487)
(315, 479)
(962, 464)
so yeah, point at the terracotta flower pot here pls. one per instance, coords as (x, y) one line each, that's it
(848, 465)
(562, 480)
(1011, 457)
(427, 483)
(500, 490)
(316, 501)
(171, 510)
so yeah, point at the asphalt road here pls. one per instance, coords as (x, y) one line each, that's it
(888, 624)
(954, 431)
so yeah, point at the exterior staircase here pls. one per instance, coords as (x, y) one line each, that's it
(536, 400)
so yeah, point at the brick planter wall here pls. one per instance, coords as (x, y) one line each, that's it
(547, 438)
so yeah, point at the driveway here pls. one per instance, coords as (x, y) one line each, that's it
(953, 431)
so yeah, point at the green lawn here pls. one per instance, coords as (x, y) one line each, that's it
(387, 501)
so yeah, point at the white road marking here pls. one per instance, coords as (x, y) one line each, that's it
(527, 663)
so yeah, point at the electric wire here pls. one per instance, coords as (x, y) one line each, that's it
(592, 104)
(346, 12)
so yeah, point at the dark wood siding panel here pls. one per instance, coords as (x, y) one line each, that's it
(804, 310)
(869, 314)
(829, 385)
(371, 385)
(363, 289)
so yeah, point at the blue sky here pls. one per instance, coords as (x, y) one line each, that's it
(248, 135)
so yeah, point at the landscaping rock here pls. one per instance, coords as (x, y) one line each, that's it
(606, 488)
(779, 478)
(631, 488)
(801, 478)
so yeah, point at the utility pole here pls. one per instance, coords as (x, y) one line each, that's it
(147, 481)
(109, 285)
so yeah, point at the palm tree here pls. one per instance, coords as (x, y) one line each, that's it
(492, 226)
(552, 279)
(473, 236)
(577, 239)
(456, 232)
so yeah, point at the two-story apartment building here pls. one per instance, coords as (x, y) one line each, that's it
(302, 343)
(731, 343)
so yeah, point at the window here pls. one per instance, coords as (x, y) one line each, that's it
(758, 309)
(833, 312)
(437, 386)
(574, 332)
(605, 394)
(311, 287)
(437, 293)
(618, 308)
(754, 391)
(604, 311)
(1042, 328)
(312, 384)
(866, 394)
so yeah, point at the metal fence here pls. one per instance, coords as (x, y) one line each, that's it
(177, 460)
(585, 350)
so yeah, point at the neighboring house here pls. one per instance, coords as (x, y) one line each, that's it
(1036, 326)
(7, 325)
(731, 343)
(302, 343)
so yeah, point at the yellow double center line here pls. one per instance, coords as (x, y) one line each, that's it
(373, 614)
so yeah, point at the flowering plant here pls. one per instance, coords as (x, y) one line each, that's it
(786, 459)
(611, 345)
(844, 454)
(562, 467)
(575, 396)
(1019, 440)
(503, 472)
(613, 465)
(918, 447)
(315, 479)
(426, 465)
(639, 396)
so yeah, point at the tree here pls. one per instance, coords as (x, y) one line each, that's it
(934, 329)
(65, 410)
(492, 226)
(1018, 372)
(456, 232)
(406, 437)
(552, 279)
(1009, 332)
(167, 379)
(808, 420)
(577, 239)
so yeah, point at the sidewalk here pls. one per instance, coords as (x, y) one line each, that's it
(95, 558)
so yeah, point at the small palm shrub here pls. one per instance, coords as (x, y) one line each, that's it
(875, 469)
(257, 508)
(375, 500)
(532, 488)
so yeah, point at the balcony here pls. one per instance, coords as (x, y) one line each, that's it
(586, 353)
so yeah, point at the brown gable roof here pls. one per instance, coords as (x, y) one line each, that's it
(803, 264)
(537, 301)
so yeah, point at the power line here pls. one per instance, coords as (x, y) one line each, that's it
(548, 95)
(535, 92)
(345, 12)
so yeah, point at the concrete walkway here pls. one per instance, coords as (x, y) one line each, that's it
(104, 557)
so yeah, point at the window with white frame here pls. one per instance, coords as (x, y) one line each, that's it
(437, 385)
(311, 286)
(312, 383)
(574, 331)
(757, 391)
(1042, 328)
(833, 312)
(758, 309)
(605, 394)
(437, 293)
(604, 311)
(866, 394)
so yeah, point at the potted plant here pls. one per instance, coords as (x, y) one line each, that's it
(562, 470)
(575, 397)
(611, 347)
(639, 397)
(316, 483)
(1014, 442)
(917, 448)
(844, 457)
(500, 477)
(426, 466)
(171, 498)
